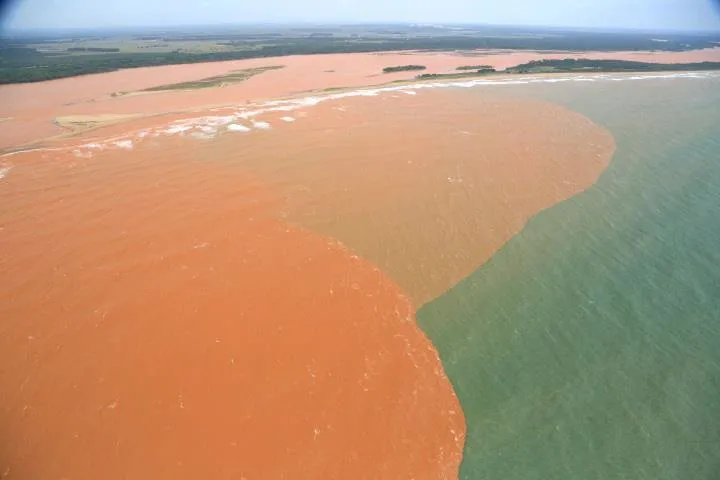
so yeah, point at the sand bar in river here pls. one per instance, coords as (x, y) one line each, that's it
(34, 106)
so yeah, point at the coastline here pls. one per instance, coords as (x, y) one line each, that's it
(75, 126)
(33, 107)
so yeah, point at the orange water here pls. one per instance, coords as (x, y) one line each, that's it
(244, 307)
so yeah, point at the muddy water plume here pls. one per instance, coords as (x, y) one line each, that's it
(242, 304)
(428, 186)
(160, 320)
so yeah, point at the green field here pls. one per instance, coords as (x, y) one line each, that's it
(135, 45)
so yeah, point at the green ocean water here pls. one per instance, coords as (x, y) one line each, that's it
(589, 346)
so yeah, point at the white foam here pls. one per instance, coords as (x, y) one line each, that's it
(218, 120)
(202, 135)
(4, 172)
(247, 115)
(175, 129)
(287, 119)
(205, 127)
(81, 154)
(124, 144)
(309, 101)
(236, 127)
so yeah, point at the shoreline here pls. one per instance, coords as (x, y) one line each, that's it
(32, 107)
(79, 125)
(467, 53)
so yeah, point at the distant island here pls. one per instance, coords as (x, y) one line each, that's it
(569, 65)
(231, 78)
(404, 68)
(475, 67)
(465, 74)
(572, 65)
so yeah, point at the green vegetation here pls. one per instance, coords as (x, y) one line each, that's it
(474, 67)
(231, 78)
(32, 57)
(403, 68)
(576, 66)
(93, 49)
(586, 65)
(479, 73)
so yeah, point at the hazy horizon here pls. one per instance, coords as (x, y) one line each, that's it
(660, 15)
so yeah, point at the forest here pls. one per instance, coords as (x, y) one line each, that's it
(587, 65)
(32, 57)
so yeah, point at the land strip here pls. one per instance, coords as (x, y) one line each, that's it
(33, 108)
(30, 57)
(226, 80)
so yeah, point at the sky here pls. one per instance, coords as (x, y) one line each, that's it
(639, 14)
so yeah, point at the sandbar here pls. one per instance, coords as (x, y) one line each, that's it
(34, 106)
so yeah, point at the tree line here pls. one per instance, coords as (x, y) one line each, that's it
(21, 63)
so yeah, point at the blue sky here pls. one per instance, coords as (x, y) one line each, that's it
(645, 14)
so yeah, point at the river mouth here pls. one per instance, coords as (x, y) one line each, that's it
(163, 289)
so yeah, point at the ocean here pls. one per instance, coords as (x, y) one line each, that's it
(589, 346)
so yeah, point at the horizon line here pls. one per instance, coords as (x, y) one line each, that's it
(439, 25)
